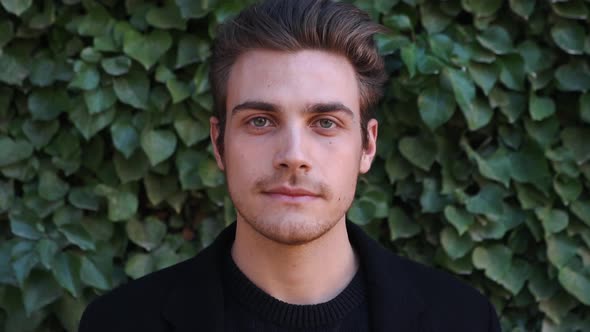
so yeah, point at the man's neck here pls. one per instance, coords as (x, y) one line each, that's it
(311, 273)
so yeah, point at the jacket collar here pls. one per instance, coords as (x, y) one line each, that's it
(394, 300)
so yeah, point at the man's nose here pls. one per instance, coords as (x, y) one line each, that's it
(293, 150)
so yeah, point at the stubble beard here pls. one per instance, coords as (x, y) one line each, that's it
(290, 227)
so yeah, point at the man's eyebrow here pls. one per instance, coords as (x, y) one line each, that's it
(256, 105)
(329, 108)
(313, 108)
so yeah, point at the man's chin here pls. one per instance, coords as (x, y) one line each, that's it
(292, 232)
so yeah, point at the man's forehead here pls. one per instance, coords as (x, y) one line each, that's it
(304, 78)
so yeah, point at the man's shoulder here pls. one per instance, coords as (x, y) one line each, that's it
(447, 299)
(138, 304)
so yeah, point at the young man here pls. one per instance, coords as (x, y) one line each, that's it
(293, 83)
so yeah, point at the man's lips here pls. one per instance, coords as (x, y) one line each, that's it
(291, 194)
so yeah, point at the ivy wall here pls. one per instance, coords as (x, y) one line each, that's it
(483, 168)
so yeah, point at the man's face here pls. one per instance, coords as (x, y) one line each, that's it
(293, 145)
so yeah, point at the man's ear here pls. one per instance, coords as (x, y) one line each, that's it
(370, 149)
(214, 132)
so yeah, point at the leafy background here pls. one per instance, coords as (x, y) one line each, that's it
(106, 171)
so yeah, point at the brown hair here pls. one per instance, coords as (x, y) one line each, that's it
(293, 25)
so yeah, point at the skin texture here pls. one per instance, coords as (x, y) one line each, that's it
(293, 152)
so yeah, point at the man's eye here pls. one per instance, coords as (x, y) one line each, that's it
(259, 122)
(326, 123)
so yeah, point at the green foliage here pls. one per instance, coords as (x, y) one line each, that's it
(483, 165)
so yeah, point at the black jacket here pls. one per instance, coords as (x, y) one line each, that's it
(403, 296)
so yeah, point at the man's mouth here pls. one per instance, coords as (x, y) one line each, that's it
(291, 194)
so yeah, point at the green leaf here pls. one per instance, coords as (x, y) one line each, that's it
(459, 218)
(125, 136)
(147, 234)
(496, 166)
(484, 75)
(553, 220)
(496, 39)
(178, 90)
(116, 66)
(574, 76)
(90, 124)
(133, 168)
(436, 107)
(575, 9)
(488, 201)
(47, 104)
(499, 266)
(193, 9)
(166, 17)
(541, 107)
(523, 8)
(385, 6)
(139, 264)
(40, 132)
(76, 234)
(86, 76)
(83, 198)
(463, 87)
(133, 89)
(431, 200)
(482, 7)
(99, 100)
(409, 55)
(92, 275)
(191, 49)
(14, 67)
(543, 132)
(16, 7)
(568, 189)
(51, 187)
(433, 19)
(147, 49)
(189, 130)
(24, 223)
(512, 71)
(159, 188)
(569, 36)
(477, 114)
(187, 162)
(400, 226)
(210, 174)
(399, 22)
(455, 246)
(582, 210)
(576, 284)
(158, 145)
(560, 249)
(66, 270)
(361, 212)
(122, 204)
(529, 165)
(419, 151)
(13, 151)
(97, 22)
(397, 167)
(39, 290)
(575, 140)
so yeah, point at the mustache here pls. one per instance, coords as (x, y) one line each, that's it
(268, 182)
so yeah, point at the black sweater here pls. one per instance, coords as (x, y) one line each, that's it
(249, 308)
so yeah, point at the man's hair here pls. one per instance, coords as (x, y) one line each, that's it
(294, 25)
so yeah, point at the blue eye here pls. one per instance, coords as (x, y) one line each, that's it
(326, 123)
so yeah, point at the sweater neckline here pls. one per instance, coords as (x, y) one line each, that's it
(288, 315)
